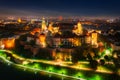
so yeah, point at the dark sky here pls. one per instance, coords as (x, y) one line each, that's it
(87, 8)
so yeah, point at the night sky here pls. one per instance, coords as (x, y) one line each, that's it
(86, 8)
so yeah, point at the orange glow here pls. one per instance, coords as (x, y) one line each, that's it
(9, 43)
(35, 30)
(19, 20)
(94, 38)
(56, 29)
(88, 34)
(78, 29)
(76, 42)
(44, 27)
(60, 18)
(53, 53)
(42, 39)
(50, 28)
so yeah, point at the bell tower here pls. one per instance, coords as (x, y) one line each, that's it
(80, 29)
(44, 27)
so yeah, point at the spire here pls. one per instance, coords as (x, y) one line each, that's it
(44, 27)
(80, 29)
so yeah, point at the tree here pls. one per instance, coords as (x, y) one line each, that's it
(89, 57)
(44, 53)
(102, 62)
(93, 64)
(74, 58)
(32, 42)
(95, 51)
(23, 37)
(18, 46)
(77, 54)
(116, 58)
(116, 62)
(107, 58)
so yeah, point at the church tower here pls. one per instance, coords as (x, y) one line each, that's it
(44, 27)
(94, 37)
(80, 29)
(50, 28)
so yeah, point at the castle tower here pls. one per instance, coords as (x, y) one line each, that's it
(80, 29)
(94, 37)
(50, 28)
(44, 27)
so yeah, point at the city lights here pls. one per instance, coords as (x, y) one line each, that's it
(36, 66)
(60, 40)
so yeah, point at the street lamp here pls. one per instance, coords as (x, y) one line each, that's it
(63, 72)
(50, 73)
(79, 75)
(25, 62)
(8, 64)
(35, 72)
(24, 69)
(62, 75)
(50, 69)
(36, 65)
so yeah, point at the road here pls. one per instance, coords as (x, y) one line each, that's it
(79, 66)
(21, 66)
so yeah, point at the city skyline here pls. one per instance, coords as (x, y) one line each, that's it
(59, 40)
(65, 8)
